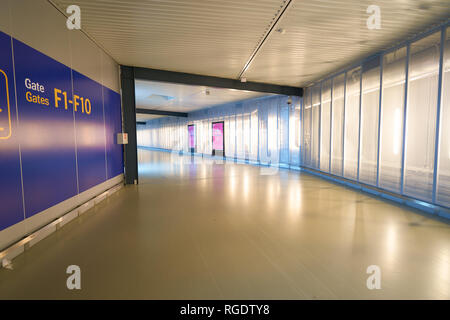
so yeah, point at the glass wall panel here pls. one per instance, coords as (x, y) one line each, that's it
(337, 114)
(200, 145)
(351, 135)
(263, 150)
(421, 116)
(230, 150)
(443, 185)
(315, 137)
(294, 132)
(370, 107)
(239, 135)
(272, 134)
(392, 111)
(284, 132)
(246, 136)
(325, 117)
(254, 135)
(307, 127)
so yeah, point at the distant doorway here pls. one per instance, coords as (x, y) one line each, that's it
(218, 143)
(191, 138)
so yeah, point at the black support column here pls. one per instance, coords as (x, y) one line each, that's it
(129, 119)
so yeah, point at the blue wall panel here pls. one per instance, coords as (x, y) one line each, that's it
(46, 132)
(11, 209)
(90, 131)
(113, 125)
(61, 130)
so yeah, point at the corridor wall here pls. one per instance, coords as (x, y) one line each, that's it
(264, 130)
(60, 109)
(390, 120)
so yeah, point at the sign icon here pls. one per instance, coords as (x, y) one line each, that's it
(5, 109)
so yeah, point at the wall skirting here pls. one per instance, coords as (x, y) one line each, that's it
(63, 211)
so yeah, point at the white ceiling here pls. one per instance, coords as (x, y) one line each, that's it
(218, 37)
(185, 98)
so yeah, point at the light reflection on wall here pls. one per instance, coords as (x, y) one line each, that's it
(33, 137)
(272, 132)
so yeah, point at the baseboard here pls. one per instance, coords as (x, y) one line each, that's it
(22, 230)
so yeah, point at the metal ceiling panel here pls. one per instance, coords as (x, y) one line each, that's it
(213, 37)
(321, 37)
(218, 37)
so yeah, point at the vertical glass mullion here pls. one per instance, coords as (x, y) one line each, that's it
(438, 115)
(343, 125)
(320, 125)
(302, 144)
(405, 114)
(301, 131)
(380, 115)
(311, 128)
(331, 124)
(359, 124)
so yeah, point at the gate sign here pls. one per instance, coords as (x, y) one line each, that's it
(65, 124)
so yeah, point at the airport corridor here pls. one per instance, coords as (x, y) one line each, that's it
(201, 228)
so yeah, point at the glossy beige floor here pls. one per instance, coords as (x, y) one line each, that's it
(202, 229)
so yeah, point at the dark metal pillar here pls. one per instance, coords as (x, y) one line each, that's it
(129, 118)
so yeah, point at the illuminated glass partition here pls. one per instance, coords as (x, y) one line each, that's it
(307, 128)
(284, 133)
(294, 132)
(246, 135)
(443, 177)
(230, 147)
(392, 111)
(370, 105)
(337, 123)
(325, 127)
(421, 117)
(273, 134)
(254, 132)
(351, 125)
(239, 134)
(394, 121)
(262, 112)
(315, 127)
